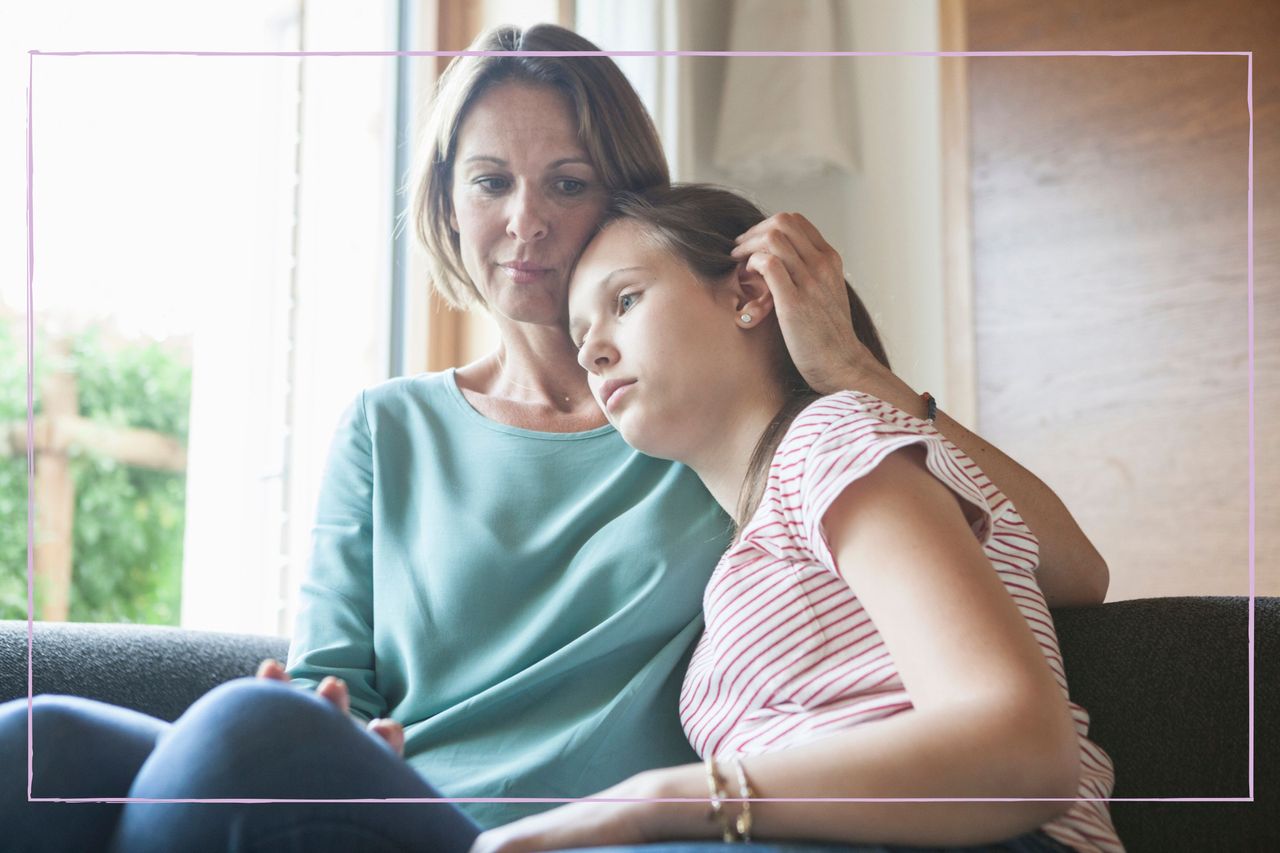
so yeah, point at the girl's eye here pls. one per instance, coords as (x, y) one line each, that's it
(626, 301)
(571, 186)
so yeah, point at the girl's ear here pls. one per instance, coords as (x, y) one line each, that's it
(751, 296)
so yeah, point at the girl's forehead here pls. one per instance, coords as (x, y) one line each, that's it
(629, 235)
(619, 244)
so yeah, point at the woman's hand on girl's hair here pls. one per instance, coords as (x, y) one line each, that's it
(805, 275)
(335, 691)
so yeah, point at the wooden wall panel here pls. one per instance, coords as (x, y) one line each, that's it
(1110, 290)
(957, 227)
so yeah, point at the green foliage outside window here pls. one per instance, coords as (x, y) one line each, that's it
(127, 535)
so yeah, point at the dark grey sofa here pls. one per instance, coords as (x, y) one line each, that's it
(1165, 680)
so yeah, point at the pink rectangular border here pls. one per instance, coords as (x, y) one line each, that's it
(30, 403)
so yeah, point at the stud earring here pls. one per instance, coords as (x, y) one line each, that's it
(746, 318)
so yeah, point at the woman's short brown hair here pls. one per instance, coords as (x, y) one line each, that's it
(613, 126)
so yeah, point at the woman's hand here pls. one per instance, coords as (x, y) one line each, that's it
(585, 824)
(335, 690)
(805, 276)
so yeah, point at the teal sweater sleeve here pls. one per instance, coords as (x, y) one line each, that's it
(524, 603)
(333, 634)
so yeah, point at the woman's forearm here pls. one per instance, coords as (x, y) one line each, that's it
(811, 298)
(917, 754)
(1071, 572)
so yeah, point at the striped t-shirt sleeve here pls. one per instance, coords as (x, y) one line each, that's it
(843, 437)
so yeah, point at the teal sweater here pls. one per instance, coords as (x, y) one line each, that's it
(524, 603)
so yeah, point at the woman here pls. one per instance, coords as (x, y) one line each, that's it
(494, 570)
(870, 633)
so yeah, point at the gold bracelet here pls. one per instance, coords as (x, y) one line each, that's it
(744, 816)
(717, 800)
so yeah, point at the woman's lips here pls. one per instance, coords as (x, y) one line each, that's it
(524, 273)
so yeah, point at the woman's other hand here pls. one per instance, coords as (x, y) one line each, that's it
(391, 733)
(805, 275)
(335, 690)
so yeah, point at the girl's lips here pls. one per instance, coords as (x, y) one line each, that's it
(615, 396)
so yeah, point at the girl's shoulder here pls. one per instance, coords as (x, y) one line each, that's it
(852, 416)
(842, 437)
(826, 434)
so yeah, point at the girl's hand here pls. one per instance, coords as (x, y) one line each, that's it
(805, 276)
(335, 690)
(582, 824)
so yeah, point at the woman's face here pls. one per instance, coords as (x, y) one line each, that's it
(525, 200)
(663, 352)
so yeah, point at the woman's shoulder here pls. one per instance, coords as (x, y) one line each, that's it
(400, 396)
(397, 388)
(399, 405)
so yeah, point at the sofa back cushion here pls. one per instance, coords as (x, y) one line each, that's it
(157, 670)
(1166, 683)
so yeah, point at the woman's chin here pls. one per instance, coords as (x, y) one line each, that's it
(528, 306)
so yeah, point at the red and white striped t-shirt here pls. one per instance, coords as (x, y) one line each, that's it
(789, 655)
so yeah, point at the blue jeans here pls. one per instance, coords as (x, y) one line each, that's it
(247, 739)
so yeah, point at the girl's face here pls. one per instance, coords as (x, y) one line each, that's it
(665, 355)
(525, 200)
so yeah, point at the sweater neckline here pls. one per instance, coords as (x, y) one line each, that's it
(469, 411)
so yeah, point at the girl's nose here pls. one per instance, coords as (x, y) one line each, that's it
(595, 355)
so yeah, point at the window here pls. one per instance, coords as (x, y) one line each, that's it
(213, 254)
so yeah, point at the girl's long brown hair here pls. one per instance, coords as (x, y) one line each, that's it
(698, 224)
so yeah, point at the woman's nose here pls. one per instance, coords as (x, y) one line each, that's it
(526, 220)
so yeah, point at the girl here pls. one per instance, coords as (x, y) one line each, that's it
(875, 630)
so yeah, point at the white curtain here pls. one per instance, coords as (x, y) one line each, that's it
(780, 118)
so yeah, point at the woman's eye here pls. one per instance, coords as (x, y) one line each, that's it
(491, 184)
(626, 301)
(571, 186)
